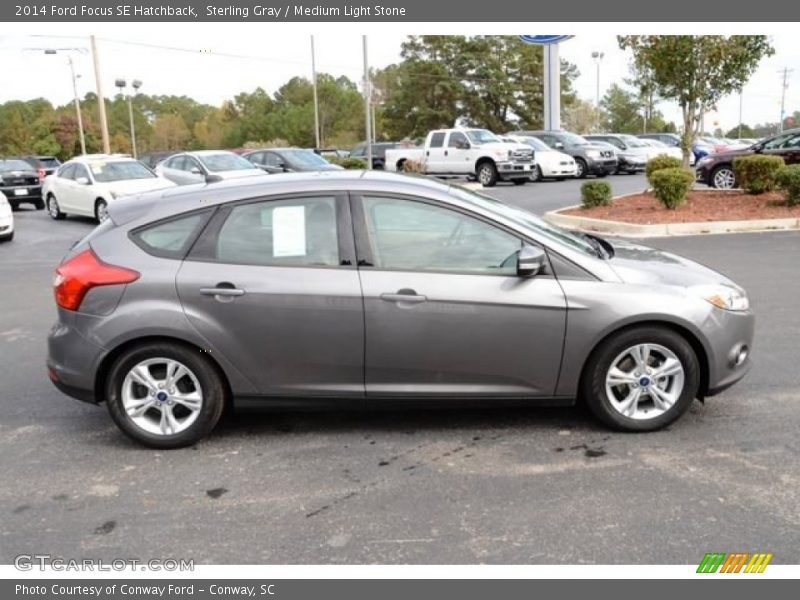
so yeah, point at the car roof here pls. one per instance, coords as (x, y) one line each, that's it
(206, 152)
(87, 158)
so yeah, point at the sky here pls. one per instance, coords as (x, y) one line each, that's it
(220, 60)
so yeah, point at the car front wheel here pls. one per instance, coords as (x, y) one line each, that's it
(487, 174)
(723, 178)
(641, 379)
(53, 209)
(165, 395)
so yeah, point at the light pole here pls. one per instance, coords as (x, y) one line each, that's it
(51, 51)
(598, 58)
(135, 84)
(316, 100)
(367, 102)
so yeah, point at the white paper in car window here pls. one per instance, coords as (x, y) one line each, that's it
(289, 231)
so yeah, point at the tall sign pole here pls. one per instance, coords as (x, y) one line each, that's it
(316, 101)
(552, 76)
(367, 102)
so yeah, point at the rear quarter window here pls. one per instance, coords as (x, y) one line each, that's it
(171, 238)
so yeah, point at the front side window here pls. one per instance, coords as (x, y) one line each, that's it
(294, 232)
(67, 171)
(272, 160)
(226, 162)
(81, 171)
(457, 140)
(416, 236)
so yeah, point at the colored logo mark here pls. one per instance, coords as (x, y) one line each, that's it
(736, 562)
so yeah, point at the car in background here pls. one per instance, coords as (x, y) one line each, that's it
(88, 184)
(548, 163)
(716, 170)
(20, 183)
(658, 148)
(332, 152)
(670, 139)
(44, 164)
(632, 153)
(151, 159)
(206, 166)
(289, 160)
(189, 301)
(378, 152)
(590, 158)
(6, 220)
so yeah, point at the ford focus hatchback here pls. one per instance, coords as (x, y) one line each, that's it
(375, 287)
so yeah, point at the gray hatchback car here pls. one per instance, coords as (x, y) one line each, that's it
(377, 287)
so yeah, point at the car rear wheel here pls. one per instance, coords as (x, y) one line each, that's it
(53, 209)
(723, 178)
(641, 379)
(165, 395)
(100, 210)
(39, 204)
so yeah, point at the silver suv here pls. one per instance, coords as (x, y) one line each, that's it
(377, 287)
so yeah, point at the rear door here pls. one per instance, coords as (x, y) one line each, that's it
(445, 313)
(434, 153)
(272, 285)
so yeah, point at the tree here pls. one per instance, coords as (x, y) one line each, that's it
(170, 132)
(696, 71)
(579, 117)
(620, 111)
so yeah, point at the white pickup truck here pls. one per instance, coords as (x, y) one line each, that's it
(473, 152)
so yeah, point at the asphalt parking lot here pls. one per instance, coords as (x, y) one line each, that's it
(440, 487)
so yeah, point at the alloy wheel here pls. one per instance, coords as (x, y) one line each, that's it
(724, 179)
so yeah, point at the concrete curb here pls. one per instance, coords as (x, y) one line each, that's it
(636, 230)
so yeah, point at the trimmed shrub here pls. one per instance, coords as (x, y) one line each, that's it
(787, 179)
(595, 193)
(671, 186)
(755, 174)
(661, 162)
(349, 162)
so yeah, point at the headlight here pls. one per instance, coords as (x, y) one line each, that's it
(593, 153)
(723, 296)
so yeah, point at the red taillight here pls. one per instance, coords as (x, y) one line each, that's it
(83, 272)
(42, 175)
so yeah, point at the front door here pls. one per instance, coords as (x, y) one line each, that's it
(272, 285)
(445, 313)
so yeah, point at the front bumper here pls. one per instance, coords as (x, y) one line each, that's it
(625, 163)
(514, 170)
(604, 166)
(703, 174)
(728, 334)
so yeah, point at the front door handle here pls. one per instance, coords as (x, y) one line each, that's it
(405, 296)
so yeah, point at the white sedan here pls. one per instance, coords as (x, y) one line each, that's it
(658, 148)
(206, 165)
(87, 184)
(6, 220)
(549, 163)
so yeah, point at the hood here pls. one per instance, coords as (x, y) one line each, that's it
(638, 264)
(731, 154)
(135, 186)
(632, 151)
(503, 146)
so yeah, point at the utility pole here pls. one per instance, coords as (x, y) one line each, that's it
(316, 101)
(741, 96)
(101, 102)
(367, 103)
(786, 71)
(77, 105)
(598, 58)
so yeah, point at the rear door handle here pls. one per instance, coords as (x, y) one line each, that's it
(222, 291)
(405, 296)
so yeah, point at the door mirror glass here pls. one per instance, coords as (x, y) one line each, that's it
(558, 146)
(82, 180)
(530, 261)
(196, 171)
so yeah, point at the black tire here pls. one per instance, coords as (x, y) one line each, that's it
(487, 174)
(536, 173)
(211, 382)
(602, 174)
(39, 204)
(53, 209)
(7, 238)
(582, 169)
(593, 384)
(99, 205)
(14, 205)
(519, 181)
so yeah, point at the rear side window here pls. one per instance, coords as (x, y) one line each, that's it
(437, 139)
(67, 171)
(172, 238)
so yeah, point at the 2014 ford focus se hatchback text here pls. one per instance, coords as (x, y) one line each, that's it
(376, 287)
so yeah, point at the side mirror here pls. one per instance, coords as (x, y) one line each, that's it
(461, 145)
(196, 171)
(558, 146)
(283, 166)
(530, 261)
(82, 180)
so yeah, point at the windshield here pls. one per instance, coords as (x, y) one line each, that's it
(632, 141)
(306, 158)
(119, 170)
(481, 136)
(571, 139)
(536, 144)
(526, 219)
(225, 162)
(6, 166)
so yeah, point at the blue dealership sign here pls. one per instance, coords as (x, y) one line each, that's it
(544, 39)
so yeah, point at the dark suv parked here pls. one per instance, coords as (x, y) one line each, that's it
(20, 182)
(378, 152)
(716, 170)
(44, 165)
(590, 159)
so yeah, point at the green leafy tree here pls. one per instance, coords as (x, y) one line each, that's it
(696, 71)
(620, 111)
